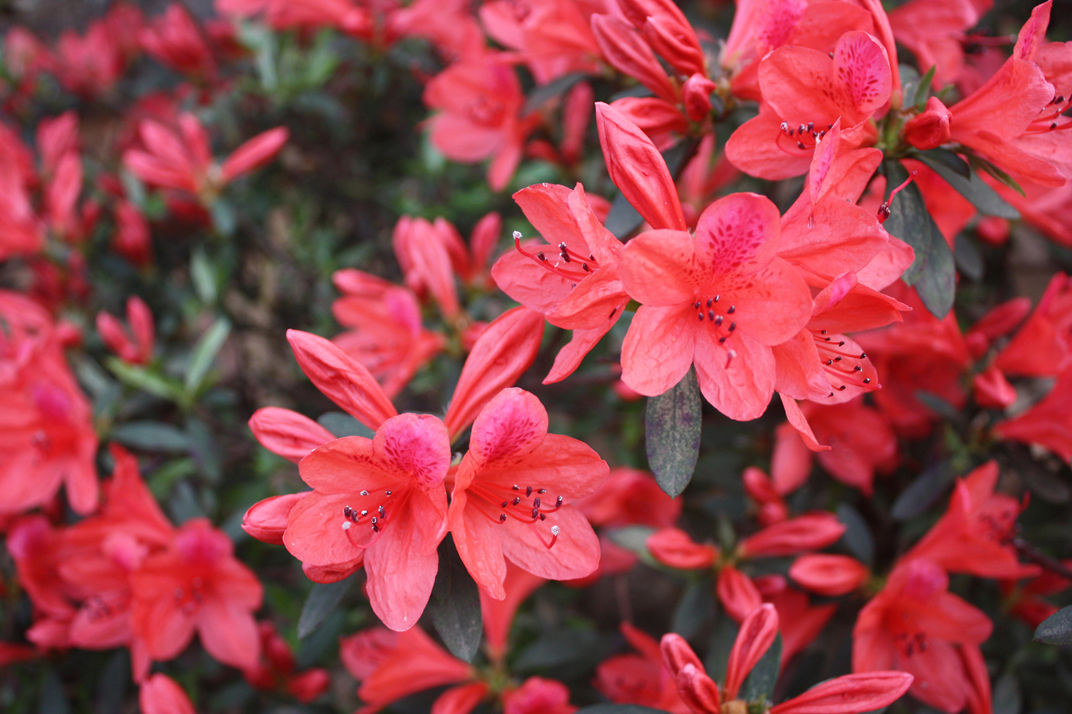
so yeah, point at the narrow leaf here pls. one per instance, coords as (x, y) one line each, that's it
(972, 187)
(145, 380)
(322, 600)
(205, 352)
(857, 537)
(544, 93)
(152, 436)
(922, 493)
(455, 605)
(672, 434)
(932, 273)
(760, 682)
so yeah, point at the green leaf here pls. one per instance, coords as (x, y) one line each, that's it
(922, 493)
(932, 272)
(322, 600)
(948, 158)
(633, 538)
(968, 258)
(857, 537)
(140, 378)
(113, 683)
(695, 609)
(152, 436)
(561, 650)
(923, 88)
(619, 709)
(537, 97)
(672, 434)
(1057, 628)
(971, 187)
(203, 276)
(341, 424)
(455, 605)
(984, 165)
(53, 696)
(760, 682)
(205, 352)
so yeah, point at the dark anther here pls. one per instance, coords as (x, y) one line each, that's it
(718, 320)
(710, 302)
(528, 491)
(733, 309)
(867, 380)
(711, 316)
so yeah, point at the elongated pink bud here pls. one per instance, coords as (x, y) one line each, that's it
(755, 637)
(501, 354)
(342, 380)
(626, 51)
(798, 535)
(266, 520)
(931, 128)
(676, 44)
(287, 433)
(851, 694)
(675, 548)
(637, 168)
(698, 690)
(254, 153)
(827, 574)
(677, 653)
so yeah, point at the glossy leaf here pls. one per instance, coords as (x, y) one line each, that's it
(1057, 628)
(455, 605)
(322, 600)
(972, 187)
(933, 273)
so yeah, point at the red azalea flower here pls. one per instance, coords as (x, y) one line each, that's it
(717, 300)
(513, 493)
(197, 584)
(380, 500)
(915, 624)
(160, 694)
(138, 350)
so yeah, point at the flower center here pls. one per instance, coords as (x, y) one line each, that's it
(566, 263)
(371, 514)
(720, 318)
(1051, 117)
(523, 503)
(843, 368)
(799, 140)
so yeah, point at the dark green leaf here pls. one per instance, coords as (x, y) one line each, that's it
(695, 609)
(205, 352)
(720, 645)
(53, 698)
(1007, 697)
(560, 650)
(619, 709)
(947, 158)
(224, 219)
(922, 493)
(455, 605)
(971, 187)
(857, 537)
(546, 92)
(932, 273)
(984, 165)
(968, 258)
(760, 682)
(113, 682)
(341, 424)
(152, 436)
(1057, 628)
(322, 600)
(672, 434)
(622, 219)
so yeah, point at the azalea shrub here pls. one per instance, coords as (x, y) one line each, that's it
(536, 357)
